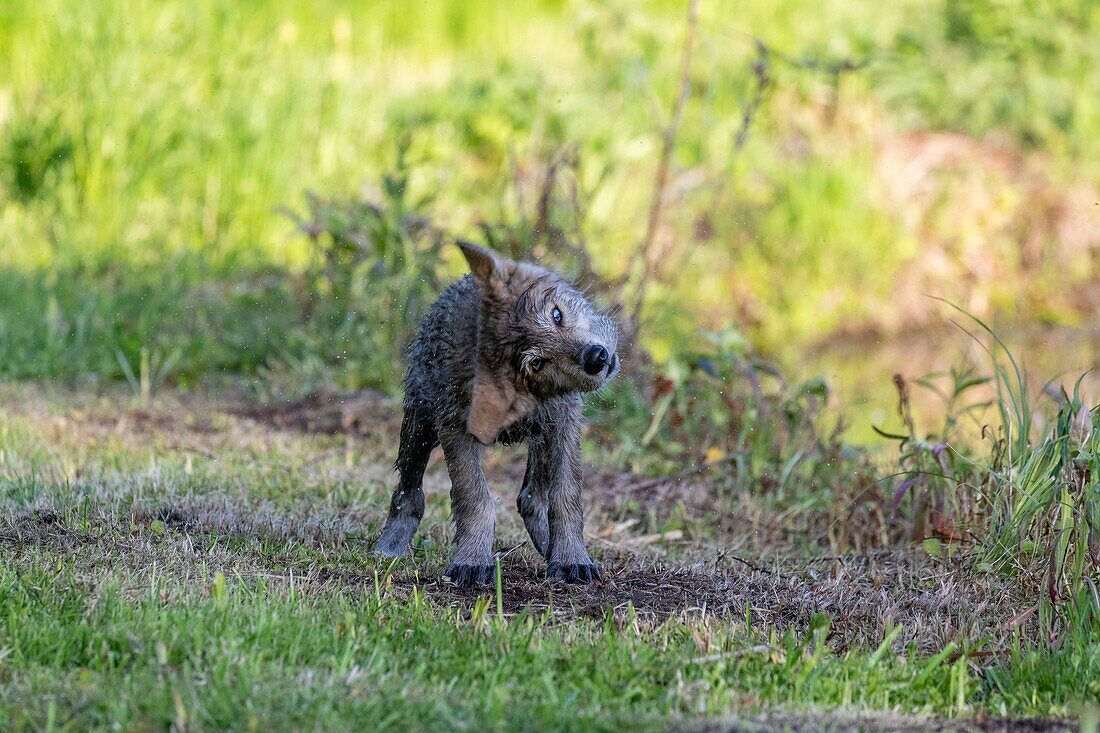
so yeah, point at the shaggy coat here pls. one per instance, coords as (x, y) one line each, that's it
(503, 355)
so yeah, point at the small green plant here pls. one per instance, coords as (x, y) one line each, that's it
(945, 490)
(1048, 515)
(725, 412)
(725, 405)
(362, 242)
(377, 270)
(153, 371)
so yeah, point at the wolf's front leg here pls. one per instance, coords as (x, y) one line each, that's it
(556, 475)
(473, 510)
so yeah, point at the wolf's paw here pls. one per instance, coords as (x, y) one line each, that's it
(396, 538)
(471, 576)
(583, 574)
(390, 546)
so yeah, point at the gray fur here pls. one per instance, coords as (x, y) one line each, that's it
(490, 364)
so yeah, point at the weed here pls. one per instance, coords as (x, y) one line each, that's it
(1029, 502)
(154, 369)
(33, 153)
(377, 269)
(946, 490)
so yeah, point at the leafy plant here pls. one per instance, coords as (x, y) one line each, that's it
(377, 270)
(946, 491)
(1030, 502)
(725, 412)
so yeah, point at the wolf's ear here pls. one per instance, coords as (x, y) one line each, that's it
(494, 405)
(488, 268)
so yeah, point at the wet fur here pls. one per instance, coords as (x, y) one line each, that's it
(474, 379)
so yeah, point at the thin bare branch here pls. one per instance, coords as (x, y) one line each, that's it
(661, 178)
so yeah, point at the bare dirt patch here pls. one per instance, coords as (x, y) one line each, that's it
(832, 722)
(365, 413)
(864, 597)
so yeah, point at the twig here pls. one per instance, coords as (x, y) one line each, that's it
(761, 70)
(762, 66)
(750, 565)
(762, 83)
(661, 178)
(695, 470)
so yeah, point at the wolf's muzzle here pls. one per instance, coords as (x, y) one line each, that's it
(595, 359)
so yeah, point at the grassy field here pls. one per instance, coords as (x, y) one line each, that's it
(182, 566)
(219, 222)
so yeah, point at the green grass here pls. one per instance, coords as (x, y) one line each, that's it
(159, 150)
(239, 654)
(259, 605)
(227, 653)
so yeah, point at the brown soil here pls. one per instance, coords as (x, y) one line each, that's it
(863, 599)
(366, 413)
(831, 722)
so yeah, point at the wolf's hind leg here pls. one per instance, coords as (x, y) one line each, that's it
(532, 497)
(418, 437)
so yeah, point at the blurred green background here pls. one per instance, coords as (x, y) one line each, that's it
(155, 161)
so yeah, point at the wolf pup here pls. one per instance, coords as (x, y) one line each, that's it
(502, 356)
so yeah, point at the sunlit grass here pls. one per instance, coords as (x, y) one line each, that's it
(210, 570)
(183, 129)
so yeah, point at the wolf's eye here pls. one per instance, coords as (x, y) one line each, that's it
(536, 364)
(556, 315)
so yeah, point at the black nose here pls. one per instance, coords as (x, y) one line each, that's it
(595, 359)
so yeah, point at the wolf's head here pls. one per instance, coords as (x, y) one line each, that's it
(538, 337)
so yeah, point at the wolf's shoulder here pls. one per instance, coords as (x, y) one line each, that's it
(453, 316)
(457, 303)
(458, 294)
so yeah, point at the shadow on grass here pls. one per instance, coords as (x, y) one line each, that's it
(180, 323)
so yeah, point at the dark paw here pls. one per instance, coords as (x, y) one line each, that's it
(396, 537)
(583, 574)
(390, 547)
(471, 576)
